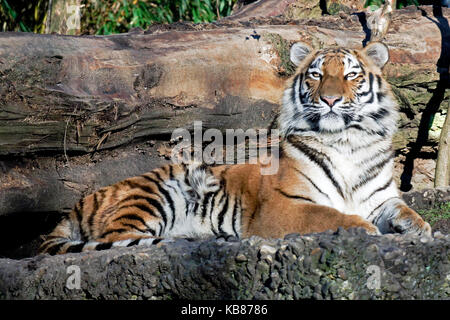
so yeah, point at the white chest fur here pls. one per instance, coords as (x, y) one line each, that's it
(353, 177)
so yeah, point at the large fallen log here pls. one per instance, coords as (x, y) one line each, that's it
(67, 96)
(80, 94)
(345, 265)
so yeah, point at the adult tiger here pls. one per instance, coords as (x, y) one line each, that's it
(335, 170)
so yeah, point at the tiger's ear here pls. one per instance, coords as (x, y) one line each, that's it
(299, 51)
(378, 52)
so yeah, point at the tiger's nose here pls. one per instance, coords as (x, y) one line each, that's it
(330, 100)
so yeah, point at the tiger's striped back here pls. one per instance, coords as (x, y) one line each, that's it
(163, 203)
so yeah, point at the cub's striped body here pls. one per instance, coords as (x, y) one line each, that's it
(335, 170)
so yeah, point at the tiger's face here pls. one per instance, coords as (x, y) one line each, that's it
(337, 89)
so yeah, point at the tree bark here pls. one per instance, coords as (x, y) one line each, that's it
(63, 17)
(95, 102)
(442, 174)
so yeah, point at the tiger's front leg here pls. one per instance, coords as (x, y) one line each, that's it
(276, 220)
(394, 216)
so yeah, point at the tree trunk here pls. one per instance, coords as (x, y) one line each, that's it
(78, 113)
(63, 17)
(442, 175)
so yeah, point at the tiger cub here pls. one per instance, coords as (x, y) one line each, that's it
(335, 170)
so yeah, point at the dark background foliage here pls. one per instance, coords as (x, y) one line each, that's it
(117, 16)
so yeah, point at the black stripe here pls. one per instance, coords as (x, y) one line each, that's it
(303, 95)
(370, 86)
(370, 159)
(314, 64)
(156, 241)
(151, 231)
(166, 194)
(102, 192)
(135, 227)
(196, 205)
(379, 81)
(350, 62)
(293, 96)
(384, 187)
(139, 206)
(313, 184)
(217, 203)
(164, 168)
(347, 118)
(356, 126)
(130, 216)
(373, 172)
(120, 230)
(160, 209)
(158, 176)
(161, 227)
(381, 132)
(77, 209)
(221, 216)
(206, 200)
(380, 96)
(75, 247)
(171, 172)
(94, 211)
(236, 208)
(291, 196)
(134, 185)
(372, 98)
(133, 243)
(48, 243)
(319, 159)
(186, 179)
(378, 207)
(55, 248)
(103, 246)
(364, 146)
(186, 206)
(378, 115)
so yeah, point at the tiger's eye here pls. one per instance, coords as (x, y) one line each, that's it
(315, 74)
(350, 75)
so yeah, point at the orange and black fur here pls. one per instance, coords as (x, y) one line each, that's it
(335, 170)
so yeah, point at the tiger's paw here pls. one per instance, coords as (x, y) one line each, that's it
(355, 221)
(371, 229)
(224, 237)
(407, 221)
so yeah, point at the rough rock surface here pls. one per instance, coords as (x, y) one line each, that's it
(341, 265)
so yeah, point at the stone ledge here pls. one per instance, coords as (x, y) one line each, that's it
(340, 265)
